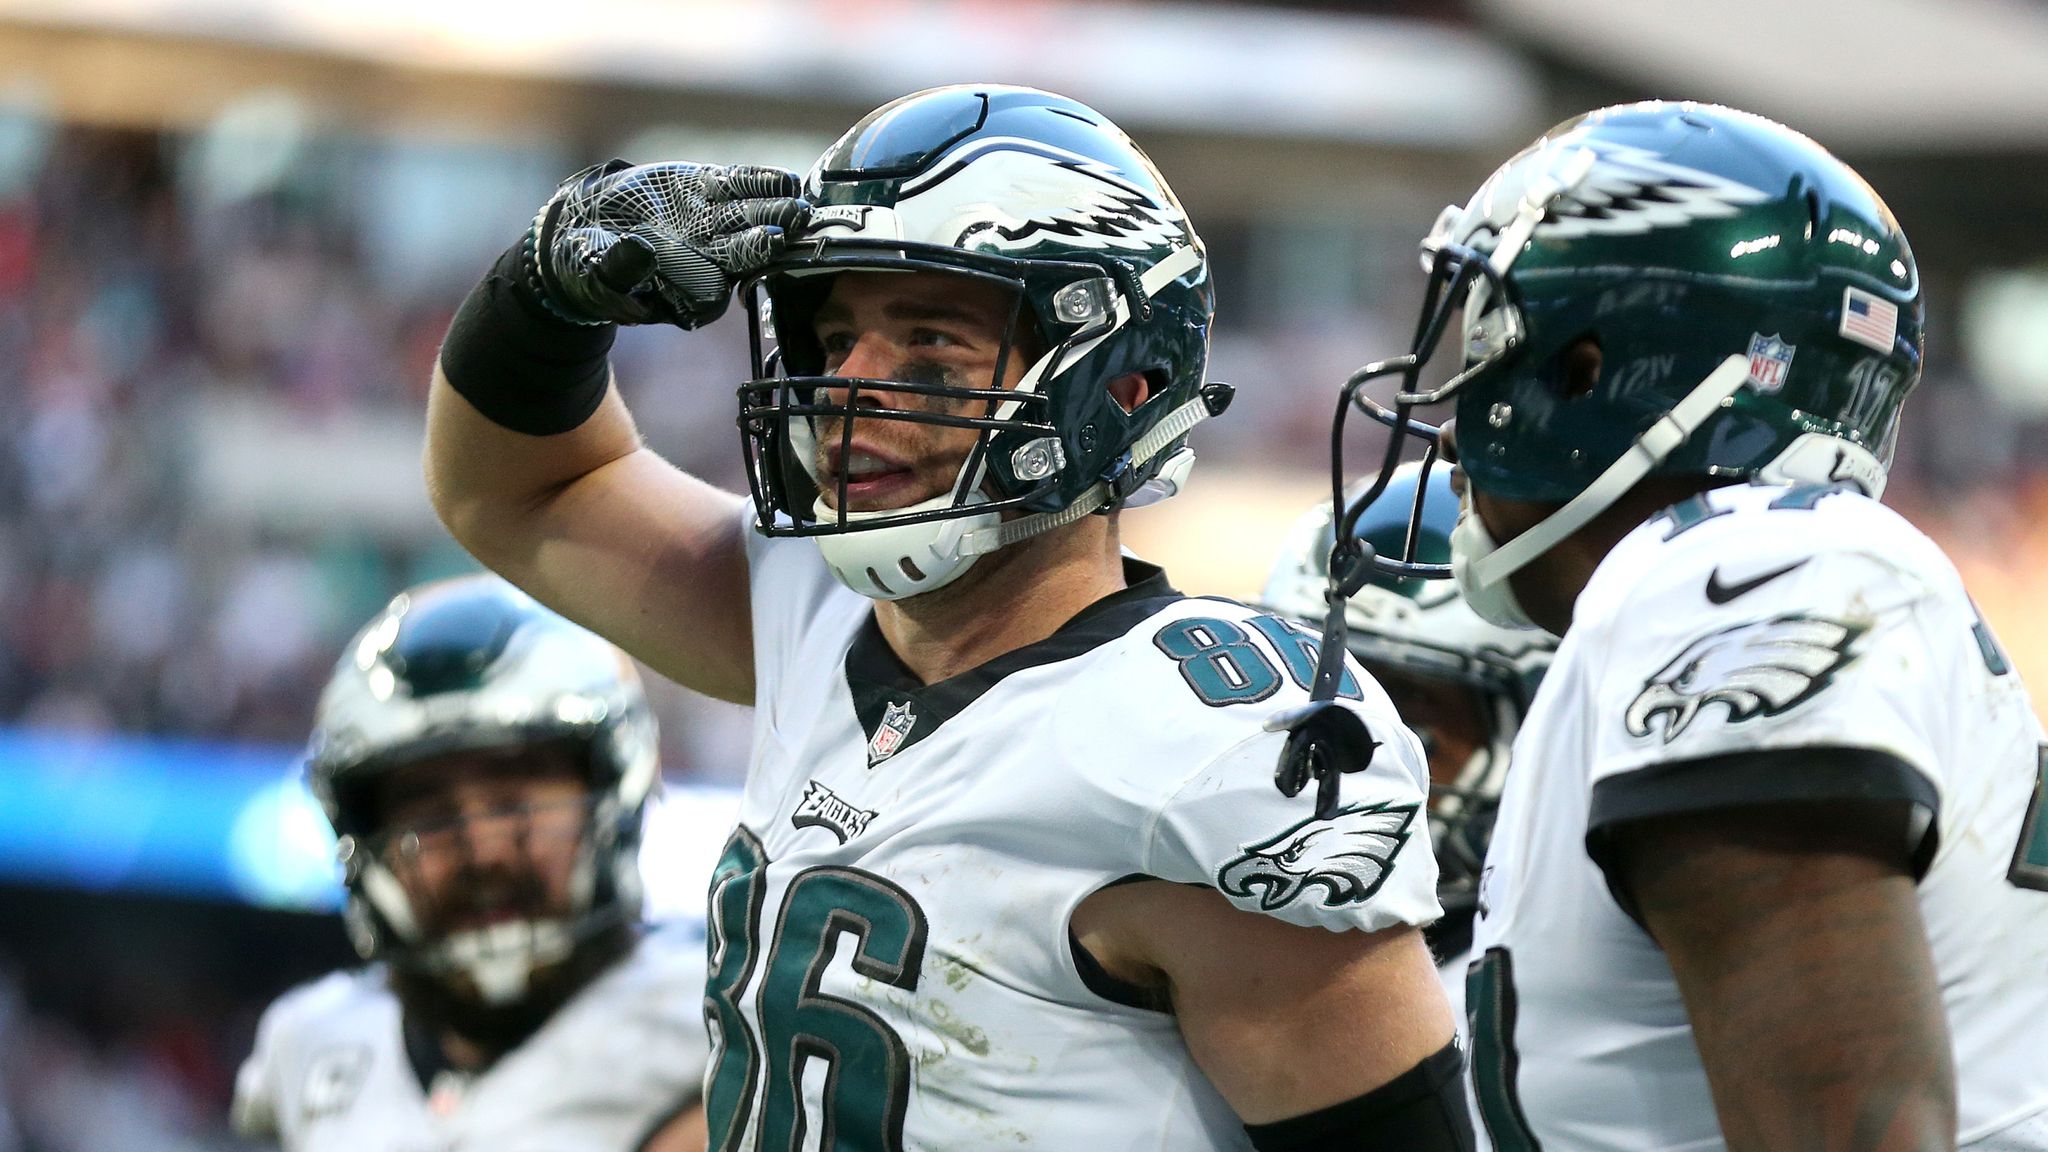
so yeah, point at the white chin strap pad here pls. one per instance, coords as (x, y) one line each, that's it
(904, 559)
(502, 958)
(1652, 448)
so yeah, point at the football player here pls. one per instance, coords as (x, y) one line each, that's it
(1771, 869)
(1460, 683)
(1008, 871)
(486, 766)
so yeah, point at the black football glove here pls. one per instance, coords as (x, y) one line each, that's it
(658, 243)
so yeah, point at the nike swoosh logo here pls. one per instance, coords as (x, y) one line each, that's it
(1719, 593)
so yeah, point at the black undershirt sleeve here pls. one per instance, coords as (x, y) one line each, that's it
(1819, 775)
(1422, 1110)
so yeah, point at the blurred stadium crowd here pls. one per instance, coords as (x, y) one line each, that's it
(128, 306)
(135, 311)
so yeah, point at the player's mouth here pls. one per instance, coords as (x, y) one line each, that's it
(874, 480)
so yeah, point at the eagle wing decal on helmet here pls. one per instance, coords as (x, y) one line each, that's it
(1348, 856)
(1626, 191)
(1761, 668)
(1006, 194)
(1634, 190)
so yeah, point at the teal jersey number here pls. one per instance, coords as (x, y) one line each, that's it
(733, 928)
(1688, 514)
(1300, 649)
(1218, 661)
(867, 1091)
(1490, 1014)
(1223, 665)
(1802, 497)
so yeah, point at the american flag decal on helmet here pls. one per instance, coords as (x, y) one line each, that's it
(1869, 319)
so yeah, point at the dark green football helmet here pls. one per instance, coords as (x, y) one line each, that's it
(1756, 307)
(1044, 197)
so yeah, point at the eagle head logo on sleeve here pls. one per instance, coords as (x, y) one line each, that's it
(1347, 856)
(1761, 668)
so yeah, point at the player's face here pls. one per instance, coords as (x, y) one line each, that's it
(1445, 714)
(1504, 519)
(919, 328)
(483, 837)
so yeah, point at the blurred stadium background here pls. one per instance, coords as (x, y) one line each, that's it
(232, 232)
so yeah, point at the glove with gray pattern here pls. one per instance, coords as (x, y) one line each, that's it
(658, 243)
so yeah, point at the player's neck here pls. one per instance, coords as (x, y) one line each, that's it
(465, 1055)
(1011, 598)
(1554, 581)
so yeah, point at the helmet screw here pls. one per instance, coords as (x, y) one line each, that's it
(1087, 438)
(1499, 415)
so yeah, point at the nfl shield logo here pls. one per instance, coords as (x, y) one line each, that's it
(1769, 359)
(897, 721)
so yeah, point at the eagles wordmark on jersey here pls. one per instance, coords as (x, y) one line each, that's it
(891, 960)
(333, 1069)
(1744, 619)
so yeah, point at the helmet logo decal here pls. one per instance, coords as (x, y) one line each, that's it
(1869, 319)
(1347, 856)
(1762, 668)
(1006, 194)
(1769, 359)
(1633, 190)
(1626, 192)
(821, 807)
(897, 721)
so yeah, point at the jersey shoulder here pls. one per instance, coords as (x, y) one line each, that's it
(340, 999)
(1186, 679)
(636, 1033)
(1757, 619)
(1729, 549)
(335, 1018)
(1169, 720)
(665, 969)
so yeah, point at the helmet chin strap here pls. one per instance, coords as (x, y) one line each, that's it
(1652, 448)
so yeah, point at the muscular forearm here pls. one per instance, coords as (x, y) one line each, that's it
(1808, 978)
(483, 477)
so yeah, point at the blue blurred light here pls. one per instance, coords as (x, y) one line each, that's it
(120, 813)
(235, 822)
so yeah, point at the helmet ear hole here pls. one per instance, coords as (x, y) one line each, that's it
(1579, 367)
(1133, 389)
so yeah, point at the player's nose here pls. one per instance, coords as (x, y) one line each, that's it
(871, 358)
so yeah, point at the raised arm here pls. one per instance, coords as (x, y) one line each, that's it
(533, 462)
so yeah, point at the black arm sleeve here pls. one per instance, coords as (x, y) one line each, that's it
(1422, 1110)
(519, 366)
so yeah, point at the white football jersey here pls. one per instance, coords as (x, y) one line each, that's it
(892, 965)
(1755, 618)
(330, 1072)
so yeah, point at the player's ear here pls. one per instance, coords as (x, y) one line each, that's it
(1130, 390)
